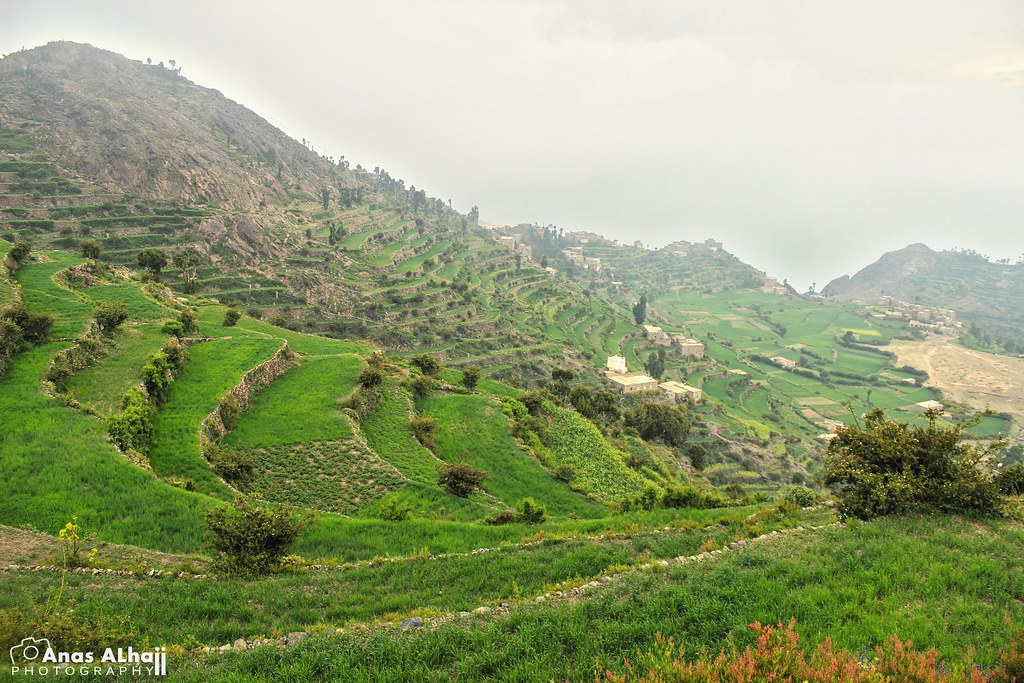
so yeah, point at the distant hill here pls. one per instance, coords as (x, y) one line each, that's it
(987, 296)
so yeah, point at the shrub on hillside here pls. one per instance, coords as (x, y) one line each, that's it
(1011, 480)
(132, 428)
(229, 411)
(470, 377)
(392, 511)
(231, 463)
(35, 327)
(20, 251)
(503, 517)
(888, 467)
(799, 495)
(231, 317)
(157, 376)
(422, 386)
(460, 478)
(427, 363)
(189, 321)
(248, 540)
(648, 499)
(177, 355)
(371, 377)
(656, 421)
(109, 315)
(688, 496)
(531, 512)
(424, 428)
(175, 328)
(91, 249)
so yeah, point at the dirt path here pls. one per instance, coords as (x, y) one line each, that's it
(973, 377)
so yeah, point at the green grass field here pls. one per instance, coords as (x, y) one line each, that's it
(301, 406)
(475, 426)
(103, 384)
(213, 368)
(299, 600)
(857, 586)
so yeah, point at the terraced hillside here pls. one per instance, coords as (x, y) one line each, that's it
(305, 428)
(761, 419)
(312, 244)
(275, 228)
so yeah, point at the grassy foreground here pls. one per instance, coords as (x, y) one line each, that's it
(943, 582)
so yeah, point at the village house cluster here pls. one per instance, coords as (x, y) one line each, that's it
(575, 255)
(635, 382)
(685, 346)
(940, 320)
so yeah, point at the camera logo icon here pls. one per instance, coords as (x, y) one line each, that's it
(29, 650)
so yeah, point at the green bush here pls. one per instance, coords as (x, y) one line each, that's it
(157, 375)
(132, 428)
(175, 328)
(688, 496)
(424, 429)
(800, 495)
(109, 315)
(565, 472)
(888, 467)
(189, 321)
(231, 463)
(470, 377)
(91, 249)
(229, 411)
(656, 421)
(503, 517)
(647, 499)
(392, 511)
(20, 251)
(231, 317)
(177, 355)
(1011, 480)
(248, 540)
(460, 478)
(35, 327)
(371, 377)
(422, 386)
(427, 363)
(531, 512)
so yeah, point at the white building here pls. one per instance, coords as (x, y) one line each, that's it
(681, 393)
(633, 382)
(617, 364)
(688, 347)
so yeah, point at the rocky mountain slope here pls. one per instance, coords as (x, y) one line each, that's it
(96, 146)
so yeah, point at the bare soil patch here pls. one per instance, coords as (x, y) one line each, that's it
(976, 378)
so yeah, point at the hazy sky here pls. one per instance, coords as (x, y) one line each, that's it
(809, 136)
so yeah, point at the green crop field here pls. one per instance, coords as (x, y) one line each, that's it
(213, 368)
(103, 384)
(474, 426)
(822, 580)
(302, 406)
(388, 433)
(599, 468)
(140, 307)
